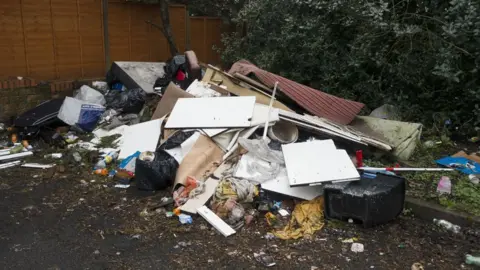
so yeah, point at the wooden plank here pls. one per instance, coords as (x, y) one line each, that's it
(215, 221)
(212, 112)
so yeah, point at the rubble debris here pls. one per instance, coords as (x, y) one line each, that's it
(215, 221)
(316, 102)
(371, 201)
(211, 112)
(201, 89)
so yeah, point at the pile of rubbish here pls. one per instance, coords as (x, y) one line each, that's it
(230, 146)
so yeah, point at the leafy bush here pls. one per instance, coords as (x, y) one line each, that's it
(422, 56)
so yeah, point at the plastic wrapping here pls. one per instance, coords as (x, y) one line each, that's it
(252, 168)
(176, 140)
(90, 95)
(157, 174)
(261, 150)
(130, 101)
(78, 112)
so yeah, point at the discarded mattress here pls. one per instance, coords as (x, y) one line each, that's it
(137, 74)
(402, 136)
(41, 115)
(316, 102)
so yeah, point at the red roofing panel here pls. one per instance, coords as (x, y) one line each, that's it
(314, 101)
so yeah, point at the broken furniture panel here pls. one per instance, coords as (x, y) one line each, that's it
(138, 74)
(315, 162)
(212, 112)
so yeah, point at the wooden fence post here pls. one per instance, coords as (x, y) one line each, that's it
(106, 41)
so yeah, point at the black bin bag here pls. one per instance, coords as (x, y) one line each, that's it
(157, 174)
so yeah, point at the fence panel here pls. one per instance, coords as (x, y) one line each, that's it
(64, 39)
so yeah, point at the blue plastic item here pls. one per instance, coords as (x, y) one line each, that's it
(89, 116)
(461, 164)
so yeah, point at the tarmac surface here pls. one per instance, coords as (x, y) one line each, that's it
(60, 219)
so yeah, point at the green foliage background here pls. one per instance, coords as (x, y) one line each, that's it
(422, 56)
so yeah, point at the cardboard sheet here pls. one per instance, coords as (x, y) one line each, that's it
(202, 159)
(211, 184)
(215, 112)
(140, 137)
(169, 99)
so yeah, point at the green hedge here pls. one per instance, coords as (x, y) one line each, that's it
(422, 56)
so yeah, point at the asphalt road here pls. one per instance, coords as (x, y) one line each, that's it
(54, 220)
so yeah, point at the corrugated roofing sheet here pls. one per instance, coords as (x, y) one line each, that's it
(314, 101)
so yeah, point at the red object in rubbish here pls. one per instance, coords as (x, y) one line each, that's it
(359, 154)
(180, 76)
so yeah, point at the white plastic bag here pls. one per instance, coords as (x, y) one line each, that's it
(81, 113)
(90, 95)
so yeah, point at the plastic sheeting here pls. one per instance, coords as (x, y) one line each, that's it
(90, 95)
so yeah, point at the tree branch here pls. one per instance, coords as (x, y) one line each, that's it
(156, 26)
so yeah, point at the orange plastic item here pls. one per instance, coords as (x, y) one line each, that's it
(25, 143)
(103, 172)
(176, 211)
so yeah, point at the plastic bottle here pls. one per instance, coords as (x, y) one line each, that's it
(107, 159)
(447, 225)
(469, 259)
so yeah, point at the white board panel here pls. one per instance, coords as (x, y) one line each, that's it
(140, 137)
(215, 221)
(281, 185)
(211, 112)
(315, 162)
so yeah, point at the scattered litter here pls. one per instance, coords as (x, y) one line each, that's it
(444, 185)
(54, 155)
(471, 260)
(461, 164)
(417, 266)
(9, 164)
(185, 219)
(350, 240)
(264, 259)
(37, 165)
(169, 214)
(283, 212)
(357, 247)
(474, 179)
(447, 225)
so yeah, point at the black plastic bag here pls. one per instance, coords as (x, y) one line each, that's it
(176, 140)
(157, 174)
(130, 101)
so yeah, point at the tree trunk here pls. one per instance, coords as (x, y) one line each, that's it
(167, 27)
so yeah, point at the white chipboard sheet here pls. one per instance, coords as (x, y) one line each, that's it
(260, 113)
(218, 112)
(215, 221)
(140, 137)
(212, 132)
(281, 185)
(316, 162)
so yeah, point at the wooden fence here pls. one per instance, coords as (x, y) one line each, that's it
(65, 39)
